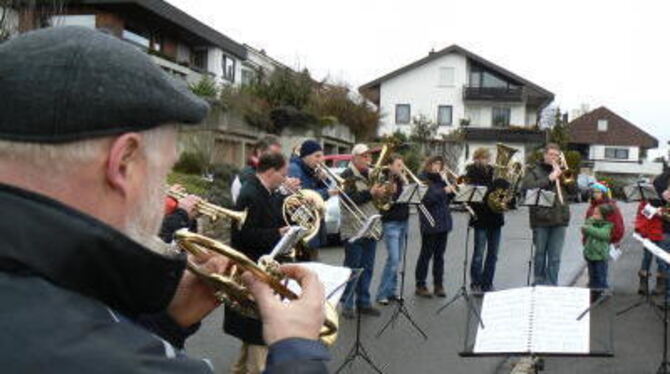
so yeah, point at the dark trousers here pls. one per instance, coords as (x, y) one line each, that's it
(486, 239)
(597, 274)
(433, 247)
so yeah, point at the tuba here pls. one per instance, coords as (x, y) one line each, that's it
(504, 169)
(229, 288)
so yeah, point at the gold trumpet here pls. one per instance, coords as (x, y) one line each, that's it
(212, 211)
(229, 288)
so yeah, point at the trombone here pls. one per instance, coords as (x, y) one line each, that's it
(458, 181)
(335, 180)
(212, 211)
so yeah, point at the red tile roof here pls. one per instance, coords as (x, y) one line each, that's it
(584, 130)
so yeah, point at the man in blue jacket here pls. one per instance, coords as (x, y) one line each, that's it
(87, 137)
(303, 167)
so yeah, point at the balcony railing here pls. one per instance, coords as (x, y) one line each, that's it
(492, 93)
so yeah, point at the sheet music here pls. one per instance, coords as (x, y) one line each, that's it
(506, 317)
(471, 193)
(555, 327)
(535, 320)
(641, 191)
(331, 276)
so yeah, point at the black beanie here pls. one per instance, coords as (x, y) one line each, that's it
(309, 147)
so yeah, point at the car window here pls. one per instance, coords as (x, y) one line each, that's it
(342, 164)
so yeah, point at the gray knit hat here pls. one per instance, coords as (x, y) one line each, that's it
(70, 83)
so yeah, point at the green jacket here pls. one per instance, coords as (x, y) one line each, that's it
(537, 176)
(597, 234)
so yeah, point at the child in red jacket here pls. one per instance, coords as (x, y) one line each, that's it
(601, 196)
(652, 229)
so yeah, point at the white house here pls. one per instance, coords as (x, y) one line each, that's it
(456, 88)
(258, 64)
(611, 145)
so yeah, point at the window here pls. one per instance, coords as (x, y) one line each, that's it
(248, 76)
(228, 65)
(480, 77)
(136, 39)
(616, 153)
(602, 125)
(200, 59)
(500, 117)
(446, 77)
(444, 115)
(80, 20)
(402, 114)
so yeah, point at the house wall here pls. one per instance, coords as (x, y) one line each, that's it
(420, 87)
(597, 152)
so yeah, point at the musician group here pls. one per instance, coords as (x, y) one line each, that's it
(89, 287)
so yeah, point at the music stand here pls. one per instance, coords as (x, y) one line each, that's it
(411, 195)
(536, 197)
(358, 350)
(637, 192)
(467, 194)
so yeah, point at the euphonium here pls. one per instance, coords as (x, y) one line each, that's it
(380, 175)
(213, 212)
(229, 288)
(504, 169)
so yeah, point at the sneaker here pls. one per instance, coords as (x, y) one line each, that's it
(423, 292)
(370, 311)
(348, 313)
(439, 291)
(383, 301)
(394, 298)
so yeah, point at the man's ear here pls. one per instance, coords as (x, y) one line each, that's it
(124, 151)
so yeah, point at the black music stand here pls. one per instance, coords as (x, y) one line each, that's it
(358, 350)
(536, 198)
(636, 192)
(468, 194)
(411, 196)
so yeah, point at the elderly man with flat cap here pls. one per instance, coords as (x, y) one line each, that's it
(87, 137)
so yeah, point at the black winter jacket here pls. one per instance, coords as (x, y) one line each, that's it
(74, 291)
(398, 212)
(486, 218)
(437, 201)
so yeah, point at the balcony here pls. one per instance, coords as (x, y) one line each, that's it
(493, 94)
(505, 135)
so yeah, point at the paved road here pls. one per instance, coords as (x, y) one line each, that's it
(402, 350)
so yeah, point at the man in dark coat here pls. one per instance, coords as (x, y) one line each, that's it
(262, 229)
(85, 146)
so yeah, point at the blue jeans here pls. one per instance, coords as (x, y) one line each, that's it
(485, 239)
(357, 255)
(395, 238)
(433, 247)
(548, 247)
(597, 274)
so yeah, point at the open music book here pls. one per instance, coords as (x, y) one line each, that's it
(533, 320)
(334, 278)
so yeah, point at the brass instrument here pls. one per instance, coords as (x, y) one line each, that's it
(229, 288)
(380, 175)
(345, 201)
(304, 208)
(567, 176)
(504, 169)
(212, 211)
(459, 180)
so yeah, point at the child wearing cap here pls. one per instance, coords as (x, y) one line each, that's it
(597, 231)
(601, 195)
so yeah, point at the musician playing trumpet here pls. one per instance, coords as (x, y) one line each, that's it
(549, 224)
(394, 221)
(361, 252)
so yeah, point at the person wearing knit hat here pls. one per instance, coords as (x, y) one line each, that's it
(303, 168)
(88, 135)
(597, 231)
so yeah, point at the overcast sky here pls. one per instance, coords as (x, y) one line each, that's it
(612, 53)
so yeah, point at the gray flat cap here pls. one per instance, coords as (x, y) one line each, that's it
(70, 83)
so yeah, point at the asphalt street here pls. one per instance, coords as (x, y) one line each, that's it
(401, 349)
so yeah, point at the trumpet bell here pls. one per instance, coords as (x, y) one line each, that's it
(229, 288)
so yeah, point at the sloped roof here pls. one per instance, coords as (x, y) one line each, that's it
(538, 91)
(169, 12)
(584, 130)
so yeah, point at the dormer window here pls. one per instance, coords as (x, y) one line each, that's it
(602, 125)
